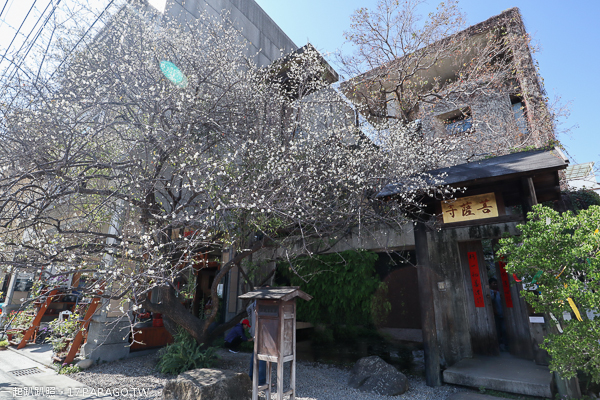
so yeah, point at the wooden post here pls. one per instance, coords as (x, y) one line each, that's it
(37, 319)
(426, 282)
(293, 366)
(198, 294)
(269, 381)
(255, 359)
(75, 280)
(280, 357)
(76, 344)
(529, 197)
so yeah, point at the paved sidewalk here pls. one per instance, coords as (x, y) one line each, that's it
(25, 379)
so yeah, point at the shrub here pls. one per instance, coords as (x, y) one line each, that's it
(560, 254)
(67, 369)
(582, 199)
(185, 354)
(60, 331)
(342, 285)
(20, 319)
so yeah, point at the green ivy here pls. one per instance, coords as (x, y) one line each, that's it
(343, 286)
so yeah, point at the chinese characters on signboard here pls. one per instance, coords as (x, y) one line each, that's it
(475, 279)
(470, 208)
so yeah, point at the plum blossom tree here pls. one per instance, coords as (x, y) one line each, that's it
(407, 67)
(150, 132)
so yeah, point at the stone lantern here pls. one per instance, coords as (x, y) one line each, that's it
(275, 335)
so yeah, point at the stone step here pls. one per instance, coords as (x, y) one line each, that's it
(504, 373)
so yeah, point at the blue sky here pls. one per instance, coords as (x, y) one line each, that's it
(567, 32)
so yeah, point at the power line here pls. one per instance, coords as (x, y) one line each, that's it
(18, 30)
(44, 56)
(3, 8)
(31, 44)
(82, 37)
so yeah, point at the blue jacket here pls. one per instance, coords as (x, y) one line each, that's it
(236, 331)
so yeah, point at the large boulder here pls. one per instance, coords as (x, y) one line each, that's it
(372, 374)
(209, 384)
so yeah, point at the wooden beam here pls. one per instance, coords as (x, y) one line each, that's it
(433, 373)
(79, 337)
(528, 196)
(36, 321)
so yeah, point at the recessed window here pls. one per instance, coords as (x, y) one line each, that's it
(458, 121)
(518, 107)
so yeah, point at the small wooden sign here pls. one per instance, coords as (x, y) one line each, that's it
(505, 285)
(470, 208)
(475, 279)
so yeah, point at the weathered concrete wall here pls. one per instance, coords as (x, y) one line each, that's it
(265, 38)
(107, 338)
(370, 238)
(381, 239)
(494, 125)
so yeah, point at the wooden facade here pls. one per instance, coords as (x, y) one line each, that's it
(455, 260)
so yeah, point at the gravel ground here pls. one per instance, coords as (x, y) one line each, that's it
(136, 378)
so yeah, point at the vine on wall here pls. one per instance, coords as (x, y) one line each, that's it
(343, 286)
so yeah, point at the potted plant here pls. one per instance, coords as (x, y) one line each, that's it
(61, 334)
(19, 322)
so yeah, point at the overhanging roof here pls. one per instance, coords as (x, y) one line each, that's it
(580, 171)
(504, 167)
(283, 293)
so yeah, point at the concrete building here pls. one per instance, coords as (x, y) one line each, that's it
(494, 125)
(266, 40)
(492, 108)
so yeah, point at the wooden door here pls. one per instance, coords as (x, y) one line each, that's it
(482, 327)
(516, 317)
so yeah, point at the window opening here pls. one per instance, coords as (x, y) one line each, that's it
(459, 121)
(518, 108)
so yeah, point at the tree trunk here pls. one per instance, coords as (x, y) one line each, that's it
(174, 311)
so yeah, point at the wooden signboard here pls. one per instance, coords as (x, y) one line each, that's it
(470, 208)
(275, 335)
(475, 279)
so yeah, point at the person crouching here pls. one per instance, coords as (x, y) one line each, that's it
(237, 335)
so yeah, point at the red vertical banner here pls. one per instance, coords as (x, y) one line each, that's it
(475, 279)
(505, 285)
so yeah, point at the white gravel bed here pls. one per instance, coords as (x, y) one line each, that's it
(136, 378)
(133, 377)
(323, 382)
